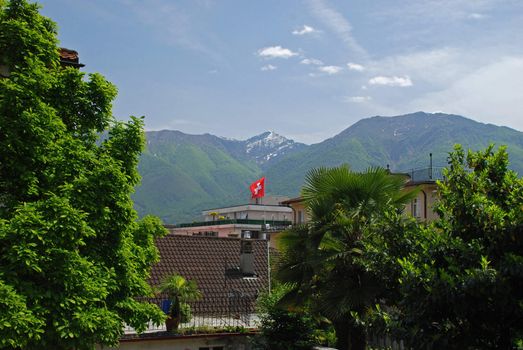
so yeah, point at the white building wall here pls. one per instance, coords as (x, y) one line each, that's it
(226, 342)
(251, 212)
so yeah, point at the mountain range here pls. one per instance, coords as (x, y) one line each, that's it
(183, 174)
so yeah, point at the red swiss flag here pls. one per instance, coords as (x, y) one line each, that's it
(258, 188)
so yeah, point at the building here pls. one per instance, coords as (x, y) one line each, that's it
(300, 214)
(218, 265)
(230, 273)
(68, 58)
(216, 341)
(425, 181)
(250, 220)
(420, 207)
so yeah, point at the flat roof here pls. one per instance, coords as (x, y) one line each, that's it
(247, 205)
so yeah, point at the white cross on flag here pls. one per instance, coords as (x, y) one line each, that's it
(258, 188)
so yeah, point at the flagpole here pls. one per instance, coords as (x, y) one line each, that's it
(261, 200)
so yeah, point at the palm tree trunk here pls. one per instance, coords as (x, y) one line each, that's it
(176, 313)
(349, 335)
(358, 337)
(342, 334)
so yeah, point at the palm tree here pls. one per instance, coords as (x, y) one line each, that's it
(179, 291)
(325, 259)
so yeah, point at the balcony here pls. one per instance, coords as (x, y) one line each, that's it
(430, 174)
(222, 314)
(261, 223)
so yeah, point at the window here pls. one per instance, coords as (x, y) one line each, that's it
(415, 208)
(300, 217)
(250, 234)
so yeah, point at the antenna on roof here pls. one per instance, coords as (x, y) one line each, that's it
(430, 167)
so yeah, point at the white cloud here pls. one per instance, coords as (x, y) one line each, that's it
(479, 83)
(355, 66)
(337, 23)
(433, 11)
(268, 67)
(305, 30)
(491, 93)
(357, 99)
(311, 61)
(276, 52)
(476, 16)
(435, 69)
(391, 81)
(330, 70)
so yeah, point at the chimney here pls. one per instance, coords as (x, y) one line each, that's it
(246, 258)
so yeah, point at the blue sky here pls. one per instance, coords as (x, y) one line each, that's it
(305, 69)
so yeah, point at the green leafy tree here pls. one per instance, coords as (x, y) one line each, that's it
(326, 259)
(283, 328)
(73, 255)
(462, 284)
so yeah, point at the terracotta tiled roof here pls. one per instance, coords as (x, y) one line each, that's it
(69, 58)
(292, 200)
(213, 263)
(68, 54)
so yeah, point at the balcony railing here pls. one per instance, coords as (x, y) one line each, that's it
(261, 223)
(221, 313)
(426, 174)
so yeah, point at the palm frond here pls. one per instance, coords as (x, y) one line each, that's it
(325, 259)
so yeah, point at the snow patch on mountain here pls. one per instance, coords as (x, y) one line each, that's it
(227, 138)
(269, 145)
(267, 140)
